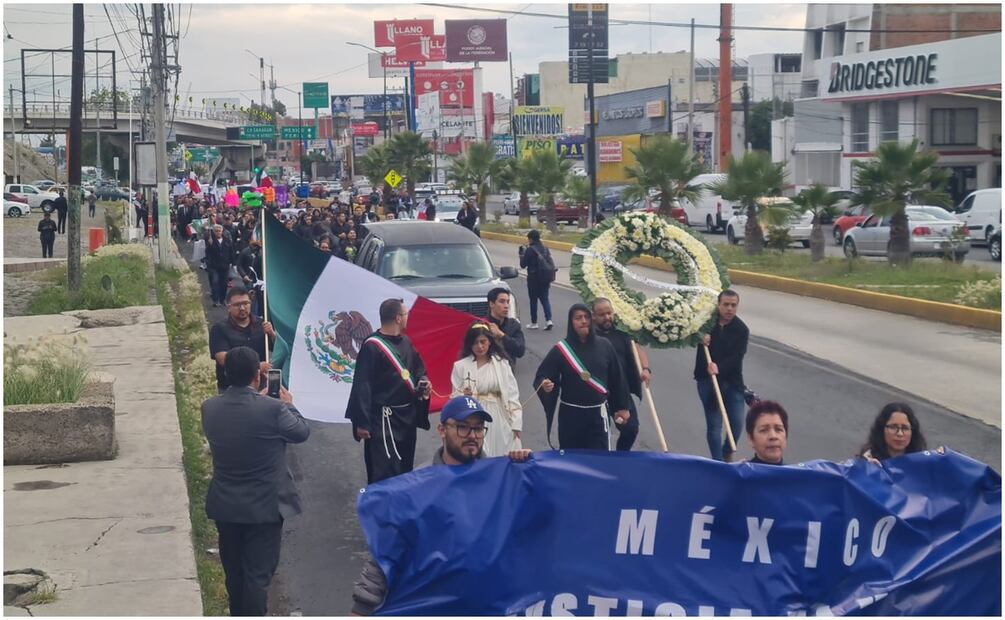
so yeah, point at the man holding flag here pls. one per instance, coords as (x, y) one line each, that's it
(390, 396)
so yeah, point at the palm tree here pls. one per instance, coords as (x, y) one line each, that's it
(819, 201)
(549, 173)
(751, 177)
(900, 175)
(474, 169)
(374, 164)
(577, 192)
(666, 165)
(409, 154)
(516, 175)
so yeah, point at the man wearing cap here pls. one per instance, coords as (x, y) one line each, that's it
(462, 430)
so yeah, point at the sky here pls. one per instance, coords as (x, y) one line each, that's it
(307, 42)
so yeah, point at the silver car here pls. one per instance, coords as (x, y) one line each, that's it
(932, 234)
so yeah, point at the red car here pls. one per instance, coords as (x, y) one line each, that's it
(649, 205)
(564, 212)
(852, 217)
(14, 198)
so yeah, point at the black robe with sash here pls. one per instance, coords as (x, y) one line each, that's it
(387, 405)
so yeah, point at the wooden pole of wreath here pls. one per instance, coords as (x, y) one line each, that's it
(265, 294)
(647, 393)
(722, 406)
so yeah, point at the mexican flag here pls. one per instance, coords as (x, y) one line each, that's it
(323, 308)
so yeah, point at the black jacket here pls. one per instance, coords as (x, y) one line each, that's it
(219, 253)
(47, 228)
(249, 264)
(512, 341)
(728, 346)
(247, 434)
(467, 218)
(531, 260)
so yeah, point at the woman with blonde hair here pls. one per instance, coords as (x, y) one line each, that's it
(483, 372)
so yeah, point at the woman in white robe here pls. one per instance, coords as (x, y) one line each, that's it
(484, 372)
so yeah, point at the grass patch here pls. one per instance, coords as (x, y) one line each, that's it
(180, 296)
(128, 271)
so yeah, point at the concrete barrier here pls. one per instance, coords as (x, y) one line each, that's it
(62, 432)
(921, 308)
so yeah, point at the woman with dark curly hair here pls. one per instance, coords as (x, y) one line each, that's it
(767, 426)
(895, 431)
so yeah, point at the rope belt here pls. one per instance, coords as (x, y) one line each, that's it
(565, 402)
(607, 423)
(385, 428)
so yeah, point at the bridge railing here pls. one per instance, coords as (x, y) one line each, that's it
(40, 110)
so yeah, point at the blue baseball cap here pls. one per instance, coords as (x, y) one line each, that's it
(461, 408)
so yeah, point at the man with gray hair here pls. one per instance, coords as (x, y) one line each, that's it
(219, 259)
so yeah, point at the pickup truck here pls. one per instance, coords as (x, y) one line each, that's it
(37, 199)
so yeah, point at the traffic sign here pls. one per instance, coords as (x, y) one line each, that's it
(316, 95)
(588, 39)
(393, 178)
(298, 132)
(254, 132)
(188, 155)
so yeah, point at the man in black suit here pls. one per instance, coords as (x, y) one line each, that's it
(252, 490)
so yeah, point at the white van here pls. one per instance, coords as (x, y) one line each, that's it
(982, 213)
(710, 211)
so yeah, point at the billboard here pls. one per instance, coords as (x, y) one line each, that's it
(357, 107)
(385, 32)
(526, 146)
(641, 111)
(456, 87)
(504, 147)
(538, 120)
(378, 64)
(571, 147)
(608, 151)
(420, 48)
(470, 40)
(368, 128)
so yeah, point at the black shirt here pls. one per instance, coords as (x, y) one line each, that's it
(728, 346)
(755, 459)
(225, 335)
(512, 340)
(47, 228)
(60, 204)
(622, 343)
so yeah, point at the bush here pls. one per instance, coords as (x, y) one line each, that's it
(127, 268)
(43, 371)
(115, 221)
(778, 238)
(981, 294)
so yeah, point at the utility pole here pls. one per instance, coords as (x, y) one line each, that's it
(73, 275)
(261, 74)
(690, 96)
(745, 93)
(158, 78)
(512, 103)
(725, 84)
(97, 105)
(13, 133)
(592, 148)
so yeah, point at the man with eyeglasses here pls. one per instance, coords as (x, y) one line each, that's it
(462, 430)
(240, 329)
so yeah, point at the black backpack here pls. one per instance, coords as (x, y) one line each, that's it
(545, 265)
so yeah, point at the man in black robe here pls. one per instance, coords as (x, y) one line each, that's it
(580, 375)
(603, 321)
(390, 396)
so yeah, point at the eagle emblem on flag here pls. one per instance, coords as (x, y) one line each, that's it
(333, 346)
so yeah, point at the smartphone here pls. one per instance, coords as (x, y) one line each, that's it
(275, 381)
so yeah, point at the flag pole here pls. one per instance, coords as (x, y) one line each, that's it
(722, 406)
(648, 394)
(265, 289)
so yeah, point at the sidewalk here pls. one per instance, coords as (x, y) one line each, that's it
(114, 536)
(956, 367)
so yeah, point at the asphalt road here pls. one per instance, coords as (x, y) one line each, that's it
(830, 412)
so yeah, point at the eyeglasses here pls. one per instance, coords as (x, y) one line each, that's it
(240, 304)
(898, 429)
(463, 430)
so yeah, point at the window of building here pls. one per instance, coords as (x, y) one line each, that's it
(837, 39)
(818, 44)
(954, 126)
(860, 127)
(859, 47)
(809, 88)
(889, 121)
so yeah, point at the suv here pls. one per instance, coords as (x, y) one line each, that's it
(710, 211)
(982, 212)
(37, 199)
(443, 262)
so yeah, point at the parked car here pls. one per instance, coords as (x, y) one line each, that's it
(13, 208)
(851, 218)
(511, 203)
(995, 244)
(611, 196)
(442, 262)
(14, 198)
(650, 205)
(800, 225)
(45, 185)
(845, 200)
(36, 198)
(982, 213)
(563, 212)
(930, 236)
(111, 192)
(710, 211)
(447, 206)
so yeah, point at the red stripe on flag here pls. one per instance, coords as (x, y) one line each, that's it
(437, 331)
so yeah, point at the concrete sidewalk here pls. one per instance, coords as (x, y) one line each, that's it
(956, 367)
(114, 536)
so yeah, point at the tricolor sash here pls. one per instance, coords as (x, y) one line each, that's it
(392, 356)
(580, 368)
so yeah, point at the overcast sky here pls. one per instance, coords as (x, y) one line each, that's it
(307, 42)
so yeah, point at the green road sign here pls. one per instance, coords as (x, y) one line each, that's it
(258, 132)
(301, 132)
(316, 95)
(201, 154)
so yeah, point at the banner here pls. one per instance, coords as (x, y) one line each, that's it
(504, 147)
(457, 123)
(609, 151)
(470, 40)
(538, 120)
(420, 48)
(380, 64)
(456, 86)
(427, 114)
(527, 145)
(636, 533)
(571, 147)
(385, 32)
(368, 128)
(356, 107)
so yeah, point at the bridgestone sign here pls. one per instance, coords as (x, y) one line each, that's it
(883, 74)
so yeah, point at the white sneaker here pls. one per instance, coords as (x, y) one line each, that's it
(532, 326)
(548, 326)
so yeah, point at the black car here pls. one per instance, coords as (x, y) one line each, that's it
(611, 196)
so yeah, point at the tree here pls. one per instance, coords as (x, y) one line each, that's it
(749, 178)
(761, 115)
(819, 201)
(666, 165)
(900, 175)
(374, 164)
(549, 173)
(409, 154)
(516, 175)
(473, 171)
(103, 96)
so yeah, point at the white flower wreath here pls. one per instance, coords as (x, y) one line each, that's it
(677, 316)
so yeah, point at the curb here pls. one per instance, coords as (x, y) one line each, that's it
(930, 310)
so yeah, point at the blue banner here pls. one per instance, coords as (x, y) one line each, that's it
(571, 147)
(592, 533)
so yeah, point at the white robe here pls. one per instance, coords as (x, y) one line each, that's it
(494, 386)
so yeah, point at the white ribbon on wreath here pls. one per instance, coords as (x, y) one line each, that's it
(658, 284)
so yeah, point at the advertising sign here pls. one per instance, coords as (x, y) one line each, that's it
(571, 147)
(538, 120)
(378, 64)
(368, 128)
(315, 94)
(456, 87)
(357, 107)
(504, 147)
(641, 111)
(526, 146)
(469, 40)
(420, 48)
(457, 123)
(427, 114)
(609, 151)
(385, 32)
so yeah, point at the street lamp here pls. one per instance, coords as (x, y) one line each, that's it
(300, 128)
(383, 65)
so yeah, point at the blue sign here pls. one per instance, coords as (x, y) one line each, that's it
(571, 147)
(598, 533)
(505, 149)
(366, 105)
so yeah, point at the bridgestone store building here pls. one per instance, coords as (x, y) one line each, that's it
(946, 94)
